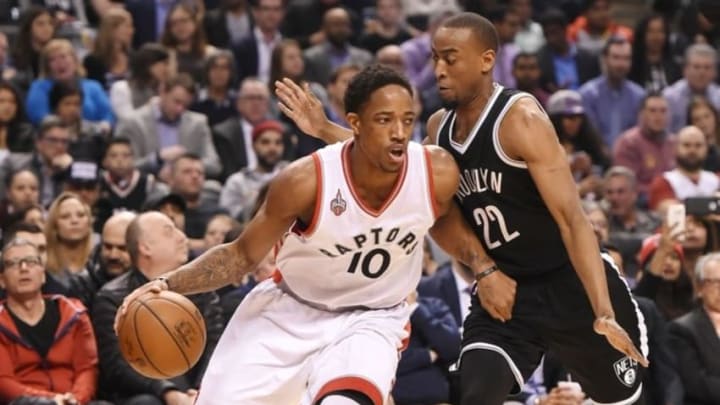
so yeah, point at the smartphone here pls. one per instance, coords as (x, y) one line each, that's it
(675, 218)
(702, 206)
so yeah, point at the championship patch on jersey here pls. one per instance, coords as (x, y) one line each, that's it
(338, 205)
(626, 371)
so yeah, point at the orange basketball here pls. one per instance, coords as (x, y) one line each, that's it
(162, 335)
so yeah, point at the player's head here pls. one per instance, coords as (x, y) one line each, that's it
(380, 110)
(463, 50)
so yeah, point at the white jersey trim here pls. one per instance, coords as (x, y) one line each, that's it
(317, 210)
(462, 148)
(496, 134)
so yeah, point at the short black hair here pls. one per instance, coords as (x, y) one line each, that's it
(11, 177)
(648, 96)
(364, 84)
(48, 123)
(481, 27)
(182, 80)
(498, 13)
(613, 40)
(553, 16)
(120, 140)
(62, 89)
(21, 227)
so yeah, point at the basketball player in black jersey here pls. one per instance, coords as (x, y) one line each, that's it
(554, 290)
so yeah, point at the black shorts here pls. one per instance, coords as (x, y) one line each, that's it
(553, 313)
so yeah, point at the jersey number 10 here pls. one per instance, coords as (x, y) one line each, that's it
(484, 216)
(366, 262)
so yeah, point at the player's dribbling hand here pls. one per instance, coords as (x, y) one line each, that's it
(619, 339)
(496, 293)
(154, 286)
(300, 105)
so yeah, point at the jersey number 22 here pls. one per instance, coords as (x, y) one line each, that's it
(484, 216)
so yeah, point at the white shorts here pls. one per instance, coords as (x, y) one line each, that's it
(278, 351)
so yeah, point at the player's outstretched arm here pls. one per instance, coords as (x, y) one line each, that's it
(532, 139)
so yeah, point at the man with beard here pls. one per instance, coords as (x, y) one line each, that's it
(241, 189)
(688, 179)
(324, 58)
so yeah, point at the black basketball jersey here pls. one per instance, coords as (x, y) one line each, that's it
(498, 197)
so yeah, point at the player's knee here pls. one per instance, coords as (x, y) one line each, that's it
(485, 378)
(347, 397)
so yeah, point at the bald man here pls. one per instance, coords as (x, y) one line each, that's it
(392, 57)
(688, 179)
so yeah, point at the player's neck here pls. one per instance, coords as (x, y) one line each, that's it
(371, 183)
(468, 113)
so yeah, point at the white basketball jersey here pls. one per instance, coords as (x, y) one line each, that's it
(351, 255)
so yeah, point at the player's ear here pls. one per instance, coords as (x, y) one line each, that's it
(354, 120)
(487, 60)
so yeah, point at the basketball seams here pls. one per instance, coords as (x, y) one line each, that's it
(169, 332)
(139, 341)
(200, 321)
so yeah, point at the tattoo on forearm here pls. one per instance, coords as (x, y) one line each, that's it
(216, 268)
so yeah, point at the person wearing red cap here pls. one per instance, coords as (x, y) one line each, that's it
(241, 189)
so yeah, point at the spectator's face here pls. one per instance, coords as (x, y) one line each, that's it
(599, 222)
(62, 65)
(671, 267)
(703, 117)
(220, 73)
(216, 230)
(699, 71)
(69, 109)
(710, 286)
(293, 64)
(23, 191)
(124, 32)
(269, 148)
(655, 35)
(23, 273)
(691, 149)
(53, 143)
(391, 56)
(38, 240)
(620, 196)
(89, 193)
(73, 224)
(253, 101)
(526, 72)
(160, 71)
(522, 8)
(598, 15)
(508, 28)
(695, 235)
(618, 61)
(269, 14)
(555, 37)
(174, 102)
(571, 124)
(36, 217)
(119, 160)
(8, 106)
(188, 177)
(176, 215)
(389, 12)
(654, 116)
(163, 242)
(182, 25)
(113, 252)
(42, 29)
(337, 26)
(337, 89)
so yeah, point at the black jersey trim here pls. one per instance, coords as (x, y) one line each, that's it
(463, 147)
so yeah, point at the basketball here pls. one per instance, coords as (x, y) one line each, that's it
(162, 335)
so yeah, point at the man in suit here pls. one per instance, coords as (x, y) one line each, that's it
(164, 129)
(252, 54)
(696, 337)
(228, 24)
(452, 283)
(149, 19)
(322, 59)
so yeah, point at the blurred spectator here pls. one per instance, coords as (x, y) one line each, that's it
(232, 297)
(590, 31)
(83, 179)
(16, 134)
(184, 37)
(653, 66)
(688, 179)
(241, 189)
(7, 72)
(337, 86)
(701, 237)
(699, 73)
(34, 215)
(507, 25)
(386, 27)
(629, 225)
(171, 205)
(149, 17)
(149, 71)
(563, 65)
(69, 237)
(163, 129)
(228, 24)
(59, 64)
(526, 73)
(217, 229)
(233, 137)
(35, 29)
(452, 283)
(422, 376)
(324, 58)
(530, 36)
(648, 149)
(252, 53)
(392, 57)
(47, 342)
(21, 192)
(49, 161)
(155, 247)
(695, 337)
(611, 101)
(109, 60)
(420, 12)
(417, 55)
(599, 221)
(703, 115)
(216, 100)
(430, 266)
(304, 20)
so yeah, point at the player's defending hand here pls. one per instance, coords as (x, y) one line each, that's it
(154, 286)
(301, 105)
(619, 339)
(496, 293)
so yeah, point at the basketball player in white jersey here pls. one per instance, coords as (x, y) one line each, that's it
(328, 328)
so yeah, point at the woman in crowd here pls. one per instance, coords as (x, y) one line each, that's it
(60, 64)
(653, 66)
(110, 58)
(16, 134)
(69, 237)
(184, 37)
(149, 69)
(216, 99)
(701, 237)
(36, 29)
(703, 115)
(21, 193)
